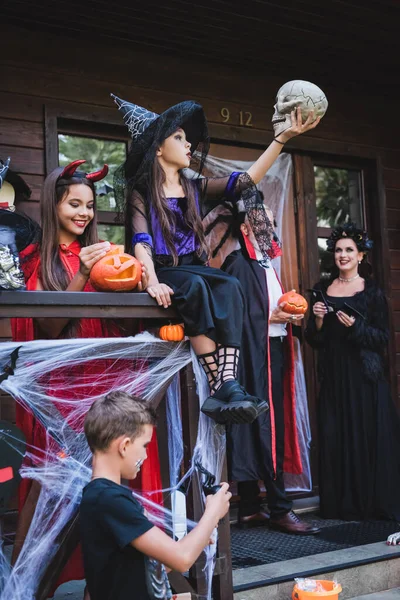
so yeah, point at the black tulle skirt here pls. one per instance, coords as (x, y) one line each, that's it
(209, 301)
(359, 432)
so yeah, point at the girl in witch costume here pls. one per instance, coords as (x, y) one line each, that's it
(359, 429)
(163, 219)
(61, 259)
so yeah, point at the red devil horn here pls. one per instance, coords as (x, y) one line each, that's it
(98, 175)
(70, 169)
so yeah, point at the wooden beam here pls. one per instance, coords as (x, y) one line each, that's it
(105, 305)
(222, 581)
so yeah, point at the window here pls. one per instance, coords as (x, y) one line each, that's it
(338, 199)
(97, 152)
(338, 196)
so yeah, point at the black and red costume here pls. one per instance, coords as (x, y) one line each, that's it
(266, 448)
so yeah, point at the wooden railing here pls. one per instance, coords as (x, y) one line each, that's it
(134, 306)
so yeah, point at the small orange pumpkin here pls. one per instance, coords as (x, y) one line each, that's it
(172, 333)
(116, 272)
(293, 303)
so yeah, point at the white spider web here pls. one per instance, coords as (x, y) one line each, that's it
(136, 118)
(57, 380)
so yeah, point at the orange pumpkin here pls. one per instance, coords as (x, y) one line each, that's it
(116, 272)
(172, 333)
(293, 303)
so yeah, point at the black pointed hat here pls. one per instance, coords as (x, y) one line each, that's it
(136, 118)
(3, 170)
(19, 185)
(18, 230)
(149, 130)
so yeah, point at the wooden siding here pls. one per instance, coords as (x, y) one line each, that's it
(46, 73)
(359, 39)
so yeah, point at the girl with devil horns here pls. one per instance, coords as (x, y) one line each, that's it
(359, 429)
(69, 244)
(60, 259)
(163, 218)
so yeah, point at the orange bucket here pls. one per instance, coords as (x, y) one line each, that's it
(331, 590)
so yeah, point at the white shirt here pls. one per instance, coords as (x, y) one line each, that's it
(274, 293)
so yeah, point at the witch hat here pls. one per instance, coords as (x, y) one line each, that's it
(149, 129)
(136, 118)
(12, 187)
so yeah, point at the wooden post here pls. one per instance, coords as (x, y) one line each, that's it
(222, 584)
(223, 580)
(108, 305)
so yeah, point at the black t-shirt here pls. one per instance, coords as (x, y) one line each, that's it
(110, 518)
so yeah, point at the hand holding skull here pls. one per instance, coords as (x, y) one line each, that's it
(296, 97)
(297, 126)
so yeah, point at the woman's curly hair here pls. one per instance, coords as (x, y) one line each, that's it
(350, 230)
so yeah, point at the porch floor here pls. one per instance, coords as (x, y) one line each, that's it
(260, 545)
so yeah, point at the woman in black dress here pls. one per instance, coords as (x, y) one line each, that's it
(359, 429)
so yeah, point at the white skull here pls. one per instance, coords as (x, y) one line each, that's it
(293, 94)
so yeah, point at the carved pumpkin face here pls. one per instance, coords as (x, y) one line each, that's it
(294, 303)
(172, 333)
(116, 272)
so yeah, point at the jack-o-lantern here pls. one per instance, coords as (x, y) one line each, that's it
(116, 272)
(293, 303)
(172, 333)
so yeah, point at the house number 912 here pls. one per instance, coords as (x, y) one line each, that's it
(244, 117)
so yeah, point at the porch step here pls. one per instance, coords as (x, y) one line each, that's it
(386, 595)
(361, 570)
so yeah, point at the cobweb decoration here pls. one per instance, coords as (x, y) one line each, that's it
(277, 188)
(58, 380)
(136, 118)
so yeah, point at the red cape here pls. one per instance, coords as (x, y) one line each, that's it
(23, 329)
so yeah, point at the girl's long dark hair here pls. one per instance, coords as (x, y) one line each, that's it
(150, 190)
(166, 216)
(53, 274)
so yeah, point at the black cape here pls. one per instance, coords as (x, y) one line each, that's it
(249, 447)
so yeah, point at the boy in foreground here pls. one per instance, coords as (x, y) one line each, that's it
(120, 545)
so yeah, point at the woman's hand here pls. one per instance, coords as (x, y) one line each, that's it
(345, 319)
(320, 310)
(142, 285)
(161, 292)
(279, 317)
(298, 127)
(89, 255)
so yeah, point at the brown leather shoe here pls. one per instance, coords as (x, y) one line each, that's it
(291, 523)
(256, 520)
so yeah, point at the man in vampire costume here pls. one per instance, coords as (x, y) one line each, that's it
(266, 448)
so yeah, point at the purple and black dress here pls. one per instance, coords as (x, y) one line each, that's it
(209, 301)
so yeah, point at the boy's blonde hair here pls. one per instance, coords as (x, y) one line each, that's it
(115, 415)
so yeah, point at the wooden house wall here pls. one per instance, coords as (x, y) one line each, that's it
(40, 72)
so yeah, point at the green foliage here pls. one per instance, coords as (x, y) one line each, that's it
(338, 200)
(326, 261)
(338, 196)
(111, 233)
(96, 152)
